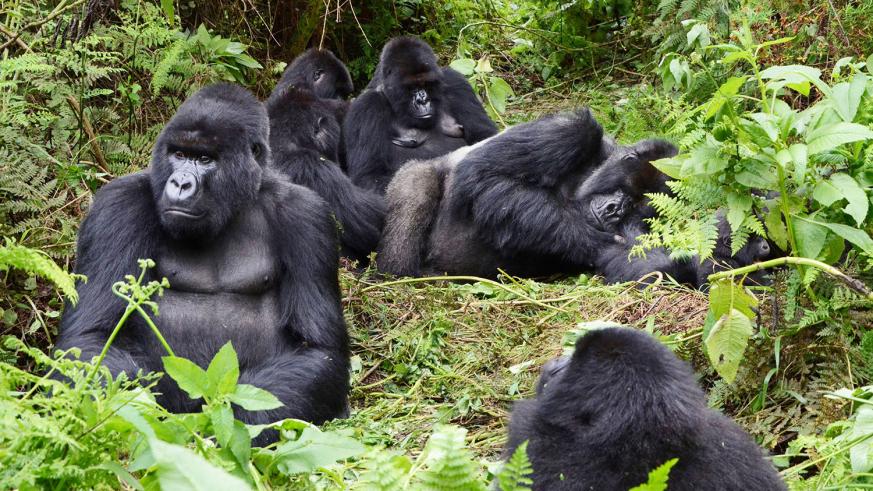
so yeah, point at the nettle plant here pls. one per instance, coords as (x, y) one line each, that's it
(781, 154)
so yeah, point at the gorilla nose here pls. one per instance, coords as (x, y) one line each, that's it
(421, 97)
(181, 186)
(765, 247)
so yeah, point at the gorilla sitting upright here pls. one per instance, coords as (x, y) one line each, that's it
(412, 109)
(305, 138)
(621, 406)
(250, 258)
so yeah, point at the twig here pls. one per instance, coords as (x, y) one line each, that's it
(14, 37)
(854, 284)
(60, 9)
(92, 137)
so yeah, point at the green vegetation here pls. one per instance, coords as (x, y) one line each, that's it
(760, 97)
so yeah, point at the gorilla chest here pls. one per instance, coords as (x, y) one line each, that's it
(428, 144)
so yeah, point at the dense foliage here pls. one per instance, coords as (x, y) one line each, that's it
(771, 104)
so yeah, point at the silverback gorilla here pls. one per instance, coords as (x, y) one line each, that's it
(622, 405)
(250, 257)
(304, 138)
(321, 72)
(507, 202)
(412, 109)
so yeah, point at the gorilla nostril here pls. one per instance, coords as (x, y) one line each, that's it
(186, 186)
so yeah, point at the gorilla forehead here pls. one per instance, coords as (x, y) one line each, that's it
(219, 115)
(410, 55)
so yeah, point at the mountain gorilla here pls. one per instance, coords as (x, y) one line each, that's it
(413, 109)
(304, 138)
(507, 203)
(622, 405)
(321, 72)
(250, 257)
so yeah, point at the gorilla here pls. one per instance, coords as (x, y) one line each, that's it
(622, 405)
(251, 258)
(321, 72)
(756, 249)
(304, 138)
(412, 109)
(508, 203)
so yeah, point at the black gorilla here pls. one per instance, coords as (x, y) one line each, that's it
(756, 249)
(250, 257)
(321, 72)
(508, 202)
(304, 138)
(413, 109)
(620, 407)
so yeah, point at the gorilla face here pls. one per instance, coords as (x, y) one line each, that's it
(298, 117)
(321, 72)
(607, 210)
(412, 81)
(207, 162)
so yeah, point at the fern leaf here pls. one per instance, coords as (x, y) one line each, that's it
(515, 475)
(37, 262)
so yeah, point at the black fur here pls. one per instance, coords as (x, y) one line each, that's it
(620, 407)
(381, 131)
(319, 71)
(509, 203)
(250, 257)
(304, 138)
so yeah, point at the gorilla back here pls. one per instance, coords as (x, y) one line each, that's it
(250, 257)
(623, 405)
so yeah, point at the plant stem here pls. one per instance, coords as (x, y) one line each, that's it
(854, 284)
(109, 341)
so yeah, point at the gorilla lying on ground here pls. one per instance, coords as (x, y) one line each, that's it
(250, 257)
(412, 109)
(622, 406)
(321, 72)
(304, 138)
(507, 203)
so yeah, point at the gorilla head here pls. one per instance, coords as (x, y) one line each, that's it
(412, 81)
(299, 118)
(319, 71)
(208, 161)
(622, 405)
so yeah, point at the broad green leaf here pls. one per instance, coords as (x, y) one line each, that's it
(169, 11)
(757, 175)
(699, 35)
(704, 160)
(254, 399)
(861, 454)
(795, 75)
(465, 66)
(672, 166)
(776, 228)
(831, 136)
(191, 378)
(313, 449)
(846, 97)
(222, 420)
(498, 92)
(657, 477)
(826, 193)
(738, 206)
(799, 155)
(223, 371)
(726, 343)
(855, 236)
(768, 124)
(724, 94)
(178, 468)
(483, 65)
(122, 474)
(725, 295)
(810, 237)
(857, 198)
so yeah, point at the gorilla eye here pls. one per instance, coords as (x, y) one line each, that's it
(318, 73)
(179, 154)
(205, 159)
(610, 208)
(256, 150)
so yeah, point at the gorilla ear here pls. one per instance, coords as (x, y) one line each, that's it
(321, 123)
(256, 150)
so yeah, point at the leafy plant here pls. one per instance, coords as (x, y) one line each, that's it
(492, 89)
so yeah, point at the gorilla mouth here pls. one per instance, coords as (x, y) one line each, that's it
(183, 213)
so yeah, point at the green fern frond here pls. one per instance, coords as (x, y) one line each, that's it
(38, 263)
(449, 464)
(384, 472)
(515, 474)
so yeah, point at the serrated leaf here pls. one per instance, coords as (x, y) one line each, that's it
(465, 66)
(861, 453)
(857, 198)
(178, 468)
(725, 295)
(658, 477)
(253, 398)
(223, 371)
(222, 420)
(313, 449)
(191, 378)
(726, 343)
(799, 155)
(831, 136)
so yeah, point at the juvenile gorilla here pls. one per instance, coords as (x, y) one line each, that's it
(304, 138)
(319, 71)
(508, 202)
(250, 257)
(620, 407)
(412, 109)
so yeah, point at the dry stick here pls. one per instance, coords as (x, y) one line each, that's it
(60, 9)
(854, 284)
(92, 137)
(11, 35)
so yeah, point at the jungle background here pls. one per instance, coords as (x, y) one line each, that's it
(759, 96)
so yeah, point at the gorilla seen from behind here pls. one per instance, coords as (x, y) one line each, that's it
(319, 71)
(250, 257)
(305, 138)
(622, 405)
(412, 109)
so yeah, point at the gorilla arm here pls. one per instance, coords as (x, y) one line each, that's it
(121, 228)
(466, 108)
(367, 138)
(360, 212)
